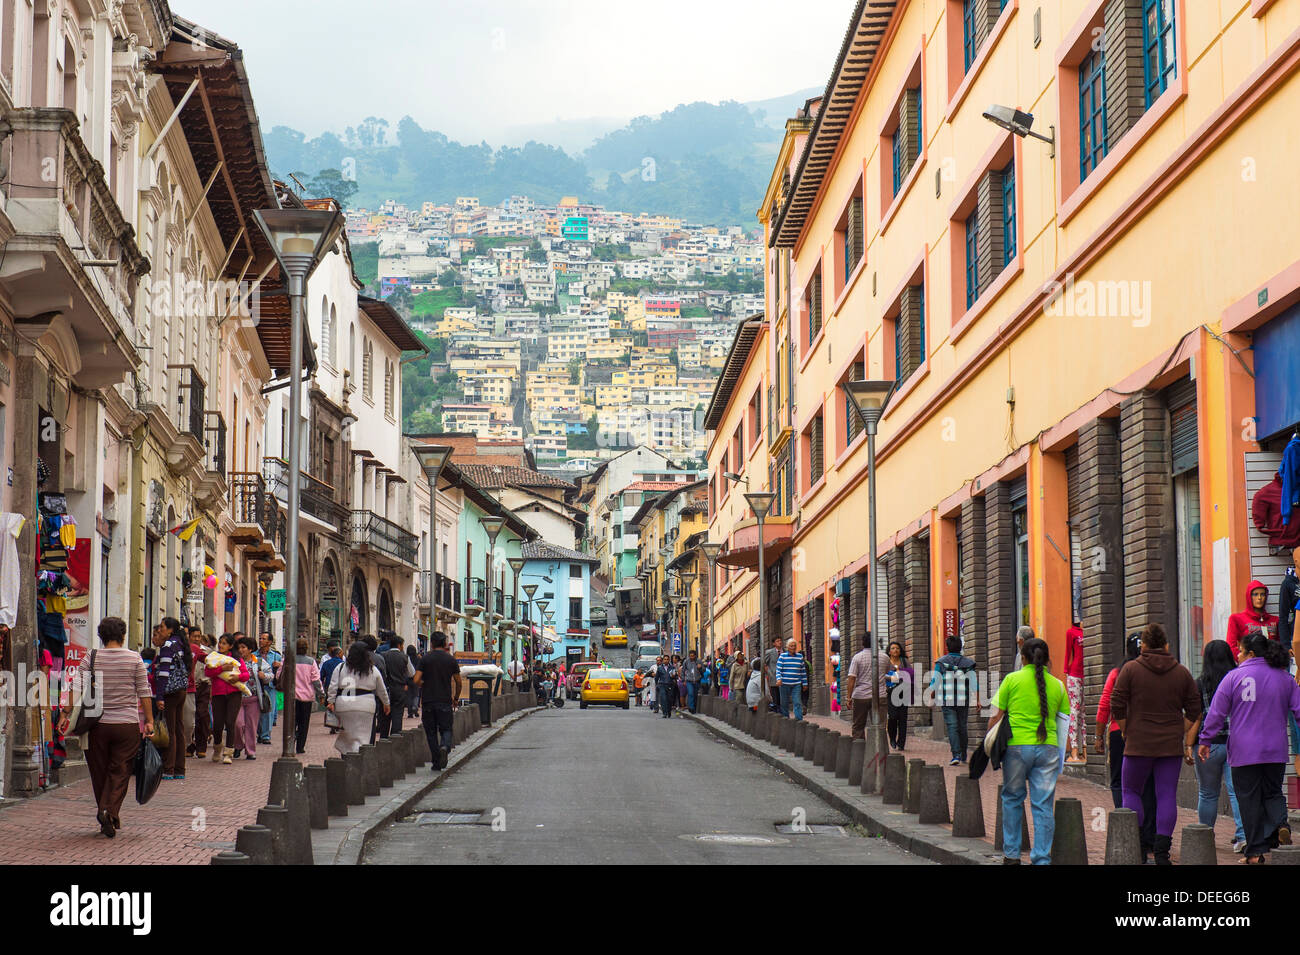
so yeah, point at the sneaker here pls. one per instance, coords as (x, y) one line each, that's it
(238, 752)
(1239, 845)
(168, 776)
(954, 761)
(249, 756)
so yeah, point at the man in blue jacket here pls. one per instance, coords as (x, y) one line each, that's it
(953, 685)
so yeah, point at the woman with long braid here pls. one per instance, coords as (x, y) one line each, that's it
(1030, 698)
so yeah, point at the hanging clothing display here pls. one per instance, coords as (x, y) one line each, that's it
(1289, 472)
(11, 525)
(1266, 513)
(1286, 606)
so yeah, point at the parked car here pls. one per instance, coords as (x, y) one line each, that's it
(576, 675)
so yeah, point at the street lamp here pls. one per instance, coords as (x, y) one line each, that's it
(1019, 122)
(517, 565)
(711, 551)
(432, 457)
(299, 238)
(661, 620)
(870, 396)
(542, 605)
(492, 527)
(529, 590)
(761, 502)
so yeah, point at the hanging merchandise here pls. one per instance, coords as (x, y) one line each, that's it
(11, 525)
(1289, 472)
(1266, 513)
(230, 598)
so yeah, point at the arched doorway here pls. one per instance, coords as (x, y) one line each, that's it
(327, 603)
(169, 603)
(385, 607)
(358, 618)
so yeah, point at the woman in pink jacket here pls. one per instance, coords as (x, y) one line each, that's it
(226, 703)
(307, 688)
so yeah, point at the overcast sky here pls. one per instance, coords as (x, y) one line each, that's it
(478, 69)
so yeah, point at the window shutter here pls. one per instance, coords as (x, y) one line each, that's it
(815, 450)
(990, 243)
(909, 124)
(909, 345)
(854, 236)
(815, 307)
(1181, 398)
(854, 421)
(1125, 85)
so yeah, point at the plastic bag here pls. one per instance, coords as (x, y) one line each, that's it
(148, 771)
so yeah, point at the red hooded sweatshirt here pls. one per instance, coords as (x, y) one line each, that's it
(1241, 623)
(1074, 652)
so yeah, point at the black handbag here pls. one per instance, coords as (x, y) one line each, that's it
(83, 722)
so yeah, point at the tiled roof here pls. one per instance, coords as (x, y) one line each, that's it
(540, 550)
(493, 476)
(653, 485)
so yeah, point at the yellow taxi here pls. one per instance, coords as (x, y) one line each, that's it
(607, 687)
(614, 637)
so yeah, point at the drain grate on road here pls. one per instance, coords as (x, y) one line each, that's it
(450, 817)
(810, 829)
(735, 839)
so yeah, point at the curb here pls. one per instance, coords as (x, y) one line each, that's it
(931, 842)
(354, 843)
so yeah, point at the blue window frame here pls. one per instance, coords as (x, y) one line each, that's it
(969, 47)
(1008, 213)
(898, 160)
(972, 257)
(920, 334)
(1094, 141)
(899, 172)
(1159, 61)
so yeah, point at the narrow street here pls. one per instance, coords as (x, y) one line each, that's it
(607, 786)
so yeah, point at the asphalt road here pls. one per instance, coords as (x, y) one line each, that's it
(607, 786)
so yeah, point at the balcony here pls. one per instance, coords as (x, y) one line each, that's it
(475, 591)
(185, 438)
(778, 536)
(315, 497)
(212, 487)
(382, 539)
(71, 270)
(259, 526)
(448, 593)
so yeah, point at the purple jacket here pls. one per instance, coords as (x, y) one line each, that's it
(1254, 700)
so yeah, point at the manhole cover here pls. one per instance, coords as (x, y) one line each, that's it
(810, 828)
(444, 818)
(735, 839)
(216, 845)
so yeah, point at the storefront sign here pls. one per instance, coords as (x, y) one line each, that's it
(275, 601)
(949, 622)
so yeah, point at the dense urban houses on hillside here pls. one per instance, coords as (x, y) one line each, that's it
(1065, 441)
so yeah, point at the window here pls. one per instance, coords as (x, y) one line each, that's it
(1008, 213)
(816, 459)
(326, 332)
(575, 613)
(909, 332)
(1159, 61)
(575, 571)
(972, 258)
(1093, 139)
(850, 234)
(970, 38)
(367, 368)
(906, 144)
(814, 306)
(852, 422)
(389, 383)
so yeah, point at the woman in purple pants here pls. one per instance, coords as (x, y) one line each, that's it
(1156, 702)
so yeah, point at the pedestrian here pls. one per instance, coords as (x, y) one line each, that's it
(227, 697)
(1213, 771)
(268, 717)
(857, 688)
(693, 673)
(1074, 687)
(1156, 701)
(202, 698)
(665, 686)
(954, 686)
(438, 678)
(354, 689)
(119, 688)
(1254, 617)
(413, 691)
(791, 677)
(1109, 733)
(638, 684)
(307, 689)
(1252, 702)
(195, 638)
(770, 656)
(754, 689)
(650, 690)
(333, 660)
(398, 671)
(1029, 700)
(171, 678)
(255, 704)
(898, 687)
(736, 683)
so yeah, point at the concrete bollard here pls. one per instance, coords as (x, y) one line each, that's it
(475, 719)
(256, 843)
(967, 808)
(832, 763)
(413, 747)
(1285, 855)
(355, 768)
(912, 786)
(787, 731)
(289, 789)
(1069, 842)
(819, 746)
(318, 816)
(1024, 827)
(384, 762)
(810, 742)
(857, 758)
(1197, 846)
(402, 763)
(420, 743)
(230, 858)
(1123, 838)
(895, 785)
(843, 747)
(276, 819)
(370, 770)
(933, 797)
(336, 787)
(800, 731)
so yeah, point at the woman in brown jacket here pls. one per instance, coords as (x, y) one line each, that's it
(1155, 701)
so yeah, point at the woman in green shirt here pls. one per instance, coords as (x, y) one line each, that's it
(1030, 698)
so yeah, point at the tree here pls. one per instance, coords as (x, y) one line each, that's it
(448, 278)
(575, 371)
(672, 356)
(329, 183)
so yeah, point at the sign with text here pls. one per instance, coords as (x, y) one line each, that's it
(275, 601)
(949, 622)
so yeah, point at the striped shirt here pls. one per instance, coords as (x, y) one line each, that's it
(121, 682)
(790, 669)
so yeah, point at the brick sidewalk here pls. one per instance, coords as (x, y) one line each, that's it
(185, 823)
(1092, 796)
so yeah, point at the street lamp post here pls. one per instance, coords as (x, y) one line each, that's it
(529, 590)
(492, 527)
(299, 238)
(432, 457)
(869, 399)
(711, 551)
(761, 502)
(542, 605)
(517, 565)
